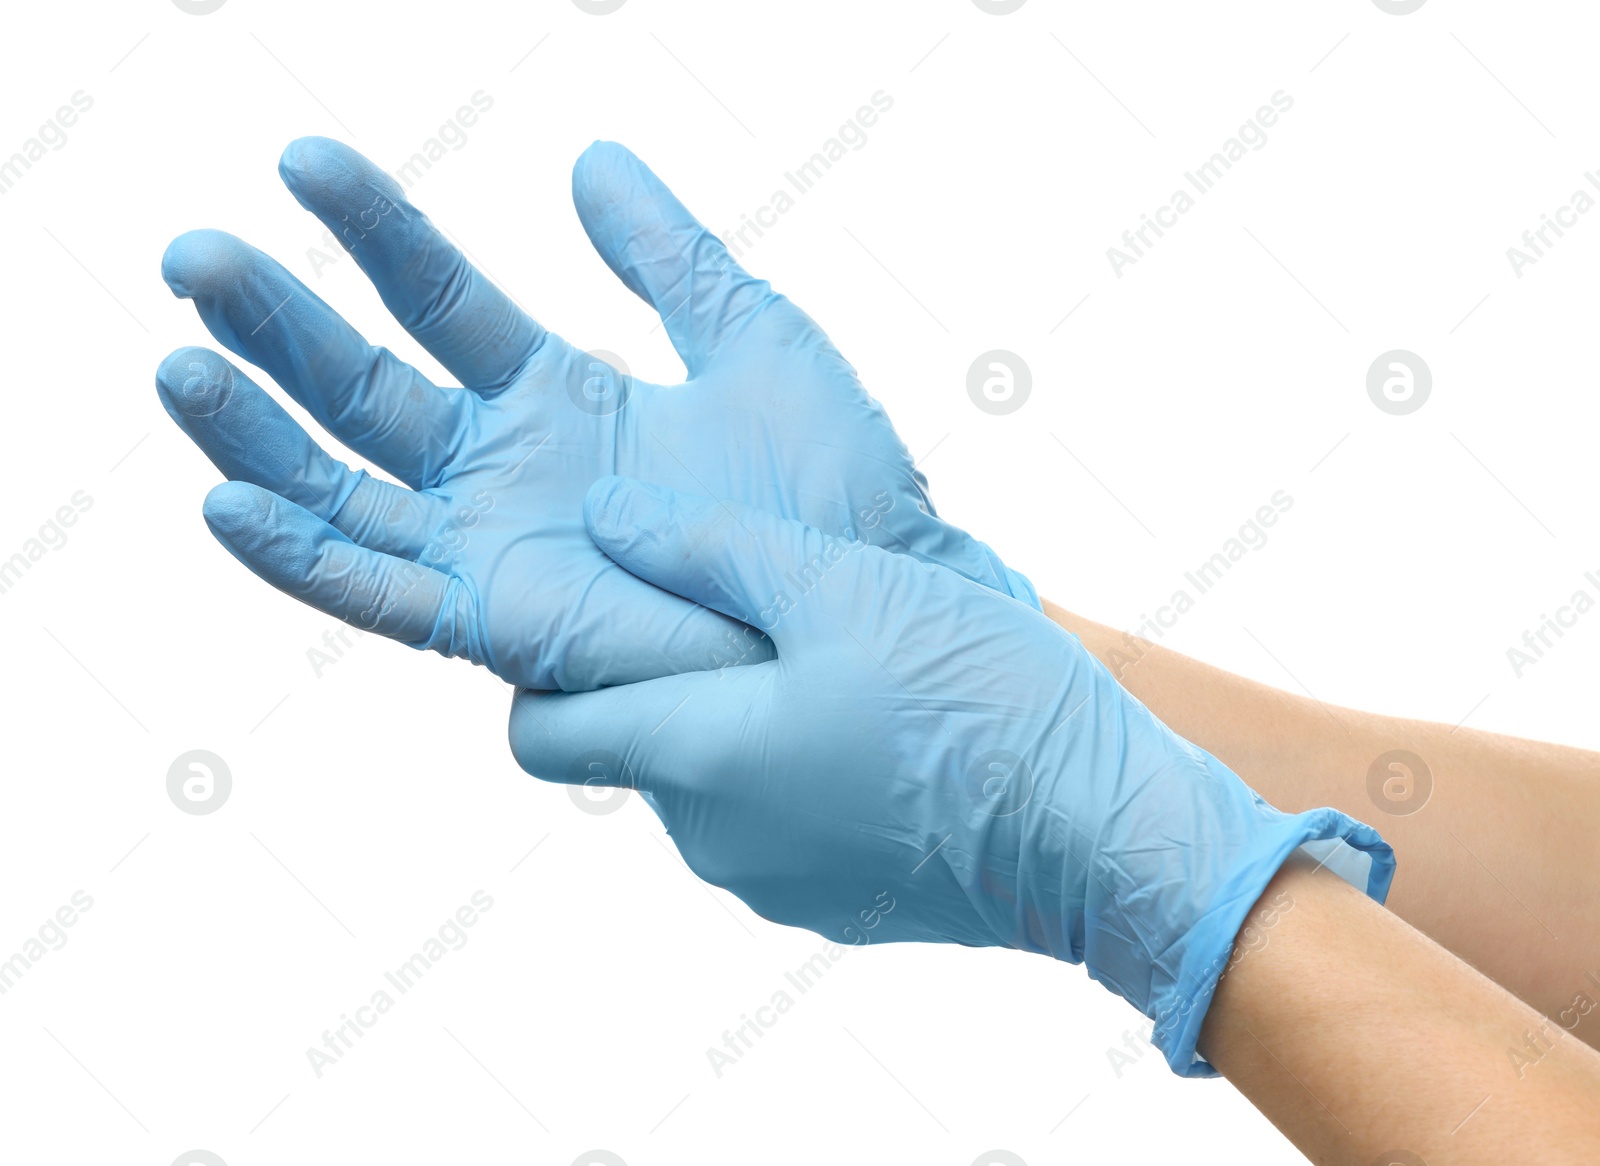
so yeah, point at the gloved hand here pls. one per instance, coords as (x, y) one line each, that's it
(485, 556)
(925, 760)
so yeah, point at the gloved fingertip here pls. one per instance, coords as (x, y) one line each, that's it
(605, 173)
(617, 510)
(528, 735)
(201, 258)
(174, 369)
(306, 156)
(194, 382)
(598, 154)
(322, 171)
(273, 537)
(233, 510)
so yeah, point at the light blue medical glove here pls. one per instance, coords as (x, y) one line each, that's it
(926, 760)
(482, 552)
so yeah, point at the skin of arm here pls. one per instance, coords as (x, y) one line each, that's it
(1491, 867)
(1366, 1043)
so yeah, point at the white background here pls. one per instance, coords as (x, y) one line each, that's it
(370, 803)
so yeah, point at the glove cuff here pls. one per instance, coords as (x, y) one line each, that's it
(1350, 849)
(1019, 587)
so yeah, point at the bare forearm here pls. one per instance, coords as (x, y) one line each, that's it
(1357, 1037)
(1494, 835)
